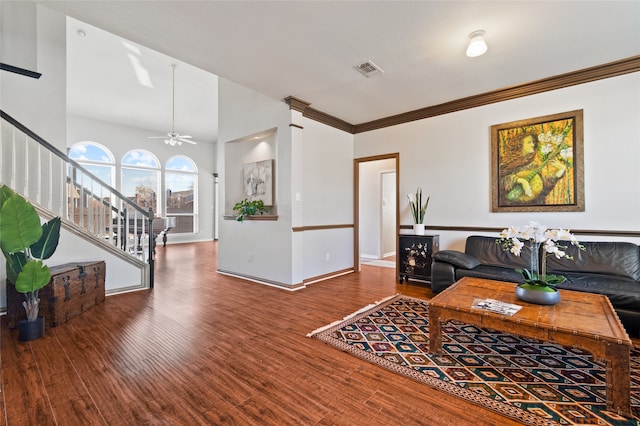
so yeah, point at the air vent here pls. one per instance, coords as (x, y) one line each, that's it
(368, 69)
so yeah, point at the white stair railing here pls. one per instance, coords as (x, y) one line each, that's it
(43, 174)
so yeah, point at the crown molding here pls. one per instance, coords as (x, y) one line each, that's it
(316, 115)
(586, 75)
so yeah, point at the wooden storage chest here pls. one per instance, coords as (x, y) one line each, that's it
(74, 288)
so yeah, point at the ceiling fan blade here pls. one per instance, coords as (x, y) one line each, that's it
(156, 137)
(184, 136)
(187, 140)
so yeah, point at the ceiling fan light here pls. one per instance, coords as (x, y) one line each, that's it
(477, 45)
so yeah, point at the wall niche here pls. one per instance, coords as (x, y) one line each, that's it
(250, 167)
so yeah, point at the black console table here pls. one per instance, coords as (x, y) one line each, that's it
(414, 256)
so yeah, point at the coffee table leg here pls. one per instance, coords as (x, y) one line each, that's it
(618, 379)
(435, 338)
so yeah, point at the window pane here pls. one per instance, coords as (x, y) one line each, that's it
(90, 152)
(180, 188)
(104, 173)
(180, 163)
(183, 224)
(141, 186)
(140, 158)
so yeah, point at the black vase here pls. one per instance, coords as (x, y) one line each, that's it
(30, 330)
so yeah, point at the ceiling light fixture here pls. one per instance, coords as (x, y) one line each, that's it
(477, 45)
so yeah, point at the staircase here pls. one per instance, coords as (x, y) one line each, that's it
(90, 209)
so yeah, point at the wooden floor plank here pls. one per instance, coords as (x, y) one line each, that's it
(203, 348)
(25, 397)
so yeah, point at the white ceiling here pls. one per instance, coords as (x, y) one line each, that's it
(308, 49)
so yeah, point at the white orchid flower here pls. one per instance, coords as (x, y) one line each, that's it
(545, 137)
(566, 153)
(563, 234)
(547, 148)
(516, 247)
(557, 139)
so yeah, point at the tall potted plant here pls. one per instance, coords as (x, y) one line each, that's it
(418, 211)
(25, 243)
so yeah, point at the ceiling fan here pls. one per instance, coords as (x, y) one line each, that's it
(172, 138)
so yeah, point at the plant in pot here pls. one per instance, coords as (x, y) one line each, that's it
(418, 211)
(538, 287)
(246, 208)
(25, 243)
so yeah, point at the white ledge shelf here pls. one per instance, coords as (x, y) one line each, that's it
(252, 217)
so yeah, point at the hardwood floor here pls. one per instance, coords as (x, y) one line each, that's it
(207, 349)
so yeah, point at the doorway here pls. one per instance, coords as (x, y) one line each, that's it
(376, 210)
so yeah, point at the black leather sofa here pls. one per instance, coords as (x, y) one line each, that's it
(609, 268)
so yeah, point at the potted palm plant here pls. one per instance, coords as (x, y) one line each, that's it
(25, 243)
(246, 208)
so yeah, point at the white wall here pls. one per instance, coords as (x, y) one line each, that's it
(120, 275)
(449, 156)
(40, 103)
(389, 213)
(258, 249)
(314, 188)
(326, 189)
(121, 139)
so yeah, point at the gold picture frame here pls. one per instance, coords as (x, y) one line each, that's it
(537, 164)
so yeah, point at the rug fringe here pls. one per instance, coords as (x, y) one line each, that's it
(372, 305)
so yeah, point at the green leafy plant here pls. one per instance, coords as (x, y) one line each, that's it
(418, 210)
(246, 208)
(25, 243)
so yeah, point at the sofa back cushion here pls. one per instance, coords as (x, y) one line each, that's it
(489, 252)
(608, 258)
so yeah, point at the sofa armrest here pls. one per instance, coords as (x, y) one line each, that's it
(456, 258)
(443, 275)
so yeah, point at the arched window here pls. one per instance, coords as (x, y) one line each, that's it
(181, 186)
(96, 158)
(141, 179)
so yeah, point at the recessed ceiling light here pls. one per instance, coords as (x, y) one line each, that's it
(82, 33)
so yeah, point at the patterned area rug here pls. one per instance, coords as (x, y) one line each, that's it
(534, 382)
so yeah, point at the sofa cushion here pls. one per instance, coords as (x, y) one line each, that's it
(489, 252)
(608, 258)
(456, 258)
(491, 273)
(622, 292)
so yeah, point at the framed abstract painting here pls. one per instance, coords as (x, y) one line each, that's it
(258, 181)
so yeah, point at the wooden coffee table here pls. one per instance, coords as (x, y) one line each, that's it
(585, 320)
